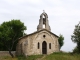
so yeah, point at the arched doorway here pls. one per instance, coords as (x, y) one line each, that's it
(44, 47)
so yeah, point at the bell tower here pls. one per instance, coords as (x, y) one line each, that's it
(43, 22)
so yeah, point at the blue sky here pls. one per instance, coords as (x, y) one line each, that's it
(63, 15)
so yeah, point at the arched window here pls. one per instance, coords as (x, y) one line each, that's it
(38, 45)
(49, 45)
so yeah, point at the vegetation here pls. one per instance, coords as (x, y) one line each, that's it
(75, 50)
(32, 57)
(76, 38)
(62, 56)
(61, 38)
(10, 32)
(53, 56)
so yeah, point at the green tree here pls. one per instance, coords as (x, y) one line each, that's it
(76, 36)
(61, 39)
(10, 32)
(75, 50)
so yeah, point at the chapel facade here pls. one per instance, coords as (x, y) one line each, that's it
(43, 41)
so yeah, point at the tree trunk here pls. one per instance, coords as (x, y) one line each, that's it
(11, 54)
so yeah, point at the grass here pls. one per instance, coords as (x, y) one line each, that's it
(62, 56)
(54, 56)
(21, 57)
(7, 58)
(32, 57)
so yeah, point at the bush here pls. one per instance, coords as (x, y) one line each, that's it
(75, 50)
(21, 57)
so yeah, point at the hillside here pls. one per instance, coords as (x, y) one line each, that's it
(54, 56)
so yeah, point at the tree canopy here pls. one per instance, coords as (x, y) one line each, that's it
(61, 38)
(10, 32)
(76, 36)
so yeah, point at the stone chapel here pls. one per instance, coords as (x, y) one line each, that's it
(43, 41)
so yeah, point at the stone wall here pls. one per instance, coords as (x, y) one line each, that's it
(6, 53)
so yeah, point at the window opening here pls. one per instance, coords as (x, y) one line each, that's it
(43, 25)
(43, 16)
(38, 45)
(44, 36)
(49, 45)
